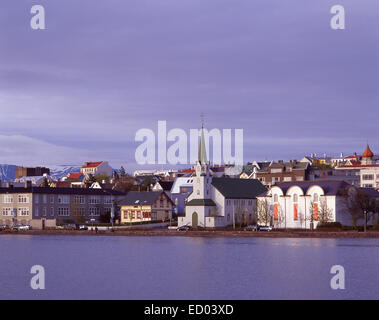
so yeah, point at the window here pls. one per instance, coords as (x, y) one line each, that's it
(275, 198)
(44, 198)
(8, 199)
(51, 199)
(36, 212)
(287, 179)
(94, 211)
(7, 212)
(368, 177)
(36, 198)
(63, 199)
(315, 197)
(23, 212)
(44, 211)
(276, 170)
(108, 200)
(79, 199)
(22, 198)
(63, 212)
(94, 200)
(52, 211)
(295, 198)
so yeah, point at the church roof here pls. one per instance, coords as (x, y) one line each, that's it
(238, 188)
(201, 202)
(368, 153)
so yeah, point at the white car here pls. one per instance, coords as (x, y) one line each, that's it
(23, 227)
(264, 228)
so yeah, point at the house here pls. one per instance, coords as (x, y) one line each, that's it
(95, 168)
(43, 206)
(218, 202)
(277, 172)
(140, 206)
(301, 204)
(181, 189)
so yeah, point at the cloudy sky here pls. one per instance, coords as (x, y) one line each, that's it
(104, 69)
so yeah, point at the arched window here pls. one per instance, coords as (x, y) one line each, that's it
(295, 198)
(275, 198)
(315, 197)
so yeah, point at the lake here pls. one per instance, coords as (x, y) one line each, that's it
(116, 267)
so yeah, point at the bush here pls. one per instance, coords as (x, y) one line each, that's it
(375, 227)
(329, 225)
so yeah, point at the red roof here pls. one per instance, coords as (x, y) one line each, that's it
(368, 153)
(92, 164)
(75, 175)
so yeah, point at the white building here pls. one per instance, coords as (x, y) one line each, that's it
(95, 168)
(218, 202)
(298, 204)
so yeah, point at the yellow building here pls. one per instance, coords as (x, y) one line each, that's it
(146, 206)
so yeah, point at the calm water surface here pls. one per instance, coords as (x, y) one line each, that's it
(81, 267)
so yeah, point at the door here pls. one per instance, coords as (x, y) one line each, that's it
(195, 219)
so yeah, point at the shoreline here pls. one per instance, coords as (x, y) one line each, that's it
(206, 234)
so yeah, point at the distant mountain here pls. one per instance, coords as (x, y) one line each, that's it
(7, 172)
(59, 171)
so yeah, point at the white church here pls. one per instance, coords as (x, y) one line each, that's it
(219, 202)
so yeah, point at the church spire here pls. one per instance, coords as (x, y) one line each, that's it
(202, 151)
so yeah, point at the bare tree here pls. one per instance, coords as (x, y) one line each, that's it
(263, 211)
(325, 214)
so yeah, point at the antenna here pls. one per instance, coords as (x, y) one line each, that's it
(202, 119)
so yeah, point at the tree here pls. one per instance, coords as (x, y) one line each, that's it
(280, 218)
(100, 178)
(263, 212)
(77, 213)
(325, 214)
(311, 217)
(360, 205)
(122, 172)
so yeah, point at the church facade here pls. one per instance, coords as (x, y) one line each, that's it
(219, 202)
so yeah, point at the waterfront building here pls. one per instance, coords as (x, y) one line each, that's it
(301, 204)
(43, 206)
(140, 206)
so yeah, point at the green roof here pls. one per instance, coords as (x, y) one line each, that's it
(233, 188)
(201, 202)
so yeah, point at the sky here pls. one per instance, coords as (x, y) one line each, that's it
(81, 89)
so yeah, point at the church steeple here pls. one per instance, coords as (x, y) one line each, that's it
(202, 150)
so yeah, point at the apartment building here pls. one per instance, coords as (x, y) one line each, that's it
(42, 206)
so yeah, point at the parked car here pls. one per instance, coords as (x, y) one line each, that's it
(3, 227)
(21, 227)
(83, 227)
(184, 228)
(264, 228)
